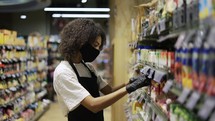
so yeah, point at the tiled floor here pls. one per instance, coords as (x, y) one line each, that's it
(54, 114)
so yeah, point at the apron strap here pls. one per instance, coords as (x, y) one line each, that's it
(91, 72)
(74, 68)
(76, 72)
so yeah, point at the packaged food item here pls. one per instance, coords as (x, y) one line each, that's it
(178, 66)
(205, 8)
(204, 70)
(171, 61)
(211, 72)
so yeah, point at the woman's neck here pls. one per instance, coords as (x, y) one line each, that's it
(78, 59)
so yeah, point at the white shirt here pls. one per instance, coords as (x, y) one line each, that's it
(69, 91)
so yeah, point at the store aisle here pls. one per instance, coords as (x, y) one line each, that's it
(54, 114)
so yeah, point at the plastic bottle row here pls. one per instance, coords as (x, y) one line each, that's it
(195, 60)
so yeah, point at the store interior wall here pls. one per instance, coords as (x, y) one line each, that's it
(122, 12)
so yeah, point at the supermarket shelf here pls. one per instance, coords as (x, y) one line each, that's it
(56, 42)
(11, 47)
(13, 100)
(39, 114)
(36, 48)
(163, 42)
(171, 37)
(157, 109)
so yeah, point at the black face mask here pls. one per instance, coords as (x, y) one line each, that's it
(89, 53)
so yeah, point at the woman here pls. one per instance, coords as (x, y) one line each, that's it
(75, 81)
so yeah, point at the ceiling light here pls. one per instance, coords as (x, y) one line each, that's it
(81, 15)
(23, 17)
(79, 9)
(83, 1)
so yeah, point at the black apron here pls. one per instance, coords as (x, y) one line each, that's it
(90, 84)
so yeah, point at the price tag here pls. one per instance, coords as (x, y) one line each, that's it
(207, 108)
(180, 40)
(167, 86)
(144, 32)
(185, 93)
(140, 116)
(153, 29)
(158, 29)
(153, 115)
(158, 76)
(212, 117)
(211, 37)
(140, 100)
(135, 117)
(192, 101)
(162, 25)
(158, 118)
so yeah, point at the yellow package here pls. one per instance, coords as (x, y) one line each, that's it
(1, 38)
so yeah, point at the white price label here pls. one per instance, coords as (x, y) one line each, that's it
(144, 32)
(158, 29)
(153, 115)
(185, 93)
(207, 108)
(153, 29)
(157, 119)
(167, 86)
(212, 117)
(140, 100)
(180, 40)
(162, 25)
(192, 101)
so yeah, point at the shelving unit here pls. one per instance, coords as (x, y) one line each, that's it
(175, 52)
(22, 75)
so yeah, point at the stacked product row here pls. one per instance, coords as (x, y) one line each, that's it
(22, 76)
(175, 47)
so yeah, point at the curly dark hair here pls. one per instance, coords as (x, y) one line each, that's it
(77, 33)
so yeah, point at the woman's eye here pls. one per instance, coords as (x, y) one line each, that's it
(96, 44)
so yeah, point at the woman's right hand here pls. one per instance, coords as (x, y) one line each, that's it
(137, 83)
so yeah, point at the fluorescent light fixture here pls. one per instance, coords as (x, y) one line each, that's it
(79, 9)
(81, 15)
(23, 17)
(83, 1)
